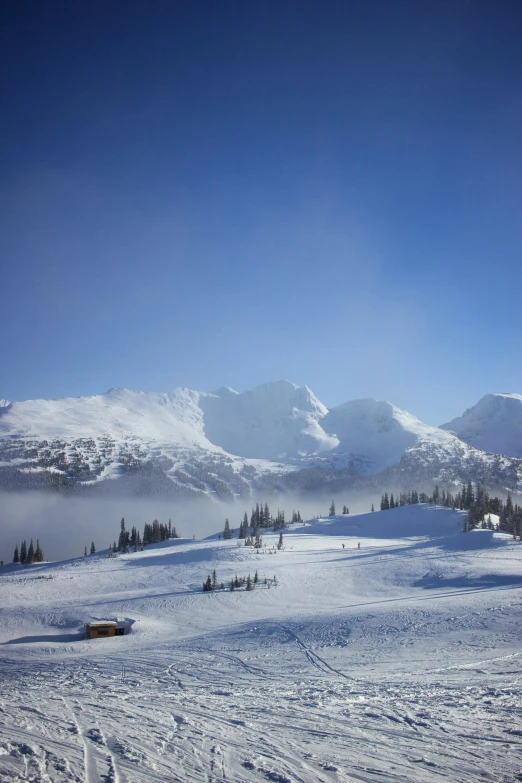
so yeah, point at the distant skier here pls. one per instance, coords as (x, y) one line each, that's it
(358, 545)
(343, 546)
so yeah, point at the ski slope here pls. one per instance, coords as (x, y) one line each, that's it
(397, 661)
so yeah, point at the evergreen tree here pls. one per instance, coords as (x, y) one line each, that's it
(373, 507)
(227, 533)
(122, 541)
(280, 542)
(331, 512)
(249, 583)
(207, 584)
(85, 551)
(93, 548)
(214, 579)
(38, 555)
(16, 556)
(256, 578)
(23, 553)
(30, 553)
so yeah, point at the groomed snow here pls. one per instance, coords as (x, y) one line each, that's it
(396, 661)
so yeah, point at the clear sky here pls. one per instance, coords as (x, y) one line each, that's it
(226, 193)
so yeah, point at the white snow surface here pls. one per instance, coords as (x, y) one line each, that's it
(399, 660)
(172, 416)
(278, 422)
(493, 424)
(272, 421)
(381, 431)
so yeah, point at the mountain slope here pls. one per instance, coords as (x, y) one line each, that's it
(380, 431)
(274, 421)
(493, 424)
(274, 438)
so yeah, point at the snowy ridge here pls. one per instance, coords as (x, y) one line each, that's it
(493, 424)
(228, 444)
(381, 431)
(274, 421)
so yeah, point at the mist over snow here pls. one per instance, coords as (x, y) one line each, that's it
(65, 525)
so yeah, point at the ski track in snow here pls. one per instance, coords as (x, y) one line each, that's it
(357, 667)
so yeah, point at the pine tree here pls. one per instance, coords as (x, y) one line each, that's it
(256, 578)
(85, 551)
(122, 541)
(93, 548)
(38, 555)
(243, 528)
(373, 507)
(280, 542)
(249, 583)
(16, 556)
(331, 513)
(30, 553)
(23, 553)
(227, 533)
(214, 579)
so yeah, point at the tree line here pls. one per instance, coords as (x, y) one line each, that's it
(211, 583)
(153, 533)
(476, 500)
(26, 555)
(260, 519)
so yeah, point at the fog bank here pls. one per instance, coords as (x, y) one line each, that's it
(65, 525)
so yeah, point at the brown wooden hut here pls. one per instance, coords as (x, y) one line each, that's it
(100, 629)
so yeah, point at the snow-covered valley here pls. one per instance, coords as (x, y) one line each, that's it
(398, 661)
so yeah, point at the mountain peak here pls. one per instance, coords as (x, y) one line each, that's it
(494, 424)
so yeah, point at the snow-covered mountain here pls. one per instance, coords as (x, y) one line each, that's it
(493, 424)
(275, 421)
(274, 438)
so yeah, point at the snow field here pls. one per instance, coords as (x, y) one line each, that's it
(398, 661)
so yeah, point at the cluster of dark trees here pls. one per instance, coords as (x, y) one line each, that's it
(153, 533)
(332, 512)
(473, 499)
(480, 506)
(260, 519)
(92, 550)
(28, 554)
(404, 499)
(211, 582)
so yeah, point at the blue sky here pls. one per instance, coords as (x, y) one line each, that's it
(226, 193)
